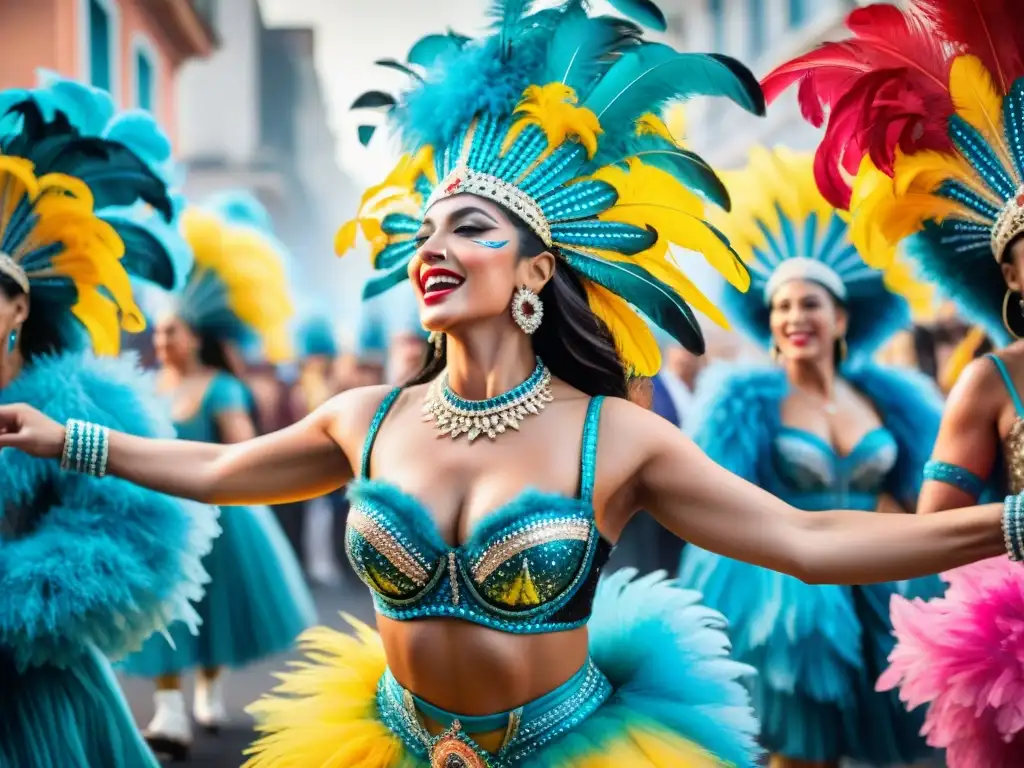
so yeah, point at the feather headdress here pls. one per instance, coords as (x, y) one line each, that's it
(927, 123)
(554, 117)
(783, 228)
(238, 290)
(83, 208)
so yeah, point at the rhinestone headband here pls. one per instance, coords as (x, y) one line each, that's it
(463, 180)
(805, 269)
(13, 270)
(1009, 224)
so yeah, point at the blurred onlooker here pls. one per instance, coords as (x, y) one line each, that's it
(406, 354)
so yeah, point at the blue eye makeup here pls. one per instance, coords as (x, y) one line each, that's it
(492, 243)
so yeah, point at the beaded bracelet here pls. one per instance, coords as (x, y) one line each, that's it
(1013, 527)
(86, 447)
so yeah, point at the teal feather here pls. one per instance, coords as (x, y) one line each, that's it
(507, 15)
(426, 51)
(398, 66)
(373, 100)
(982, 156)
(381, 283)
(641, 11)
(399, 224)
(584, 48)
(579, 201)
(366, 133)
(645, 79)
(154, 250)
(241, 207)
(651, 296)
(1013, 120)
(395, 253)
(689, 168)
(606, 235)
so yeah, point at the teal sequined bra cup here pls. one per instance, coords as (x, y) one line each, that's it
(531, 566)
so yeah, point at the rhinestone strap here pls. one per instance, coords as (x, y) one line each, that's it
(86, 448)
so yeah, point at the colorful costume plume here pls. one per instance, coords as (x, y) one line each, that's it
(239, 289)
(930, 136)
(81, 210)
(926, 121)
(783, 227)
(554, 116)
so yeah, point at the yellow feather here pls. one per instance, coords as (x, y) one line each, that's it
(675, 121)
(921, 296)
(650, 197)
(873, 197)
(652, 125)
(977, 100)
(553, 109)
(961, 357)
(636, 344)
(345, 240)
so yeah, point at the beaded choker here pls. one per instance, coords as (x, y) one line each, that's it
(454, 416)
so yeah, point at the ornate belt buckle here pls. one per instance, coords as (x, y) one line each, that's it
(453, 750)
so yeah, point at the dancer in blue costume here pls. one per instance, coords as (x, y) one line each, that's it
(257, 602)
(822, 428)
(89, 566)
(533, 212)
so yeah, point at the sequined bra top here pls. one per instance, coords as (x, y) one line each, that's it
(531, 566)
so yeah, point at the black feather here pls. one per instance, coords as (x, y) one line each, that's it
(399, 67)
(374, 100)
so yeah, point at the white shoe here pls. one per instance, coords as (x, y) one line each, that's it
(170, 731)
(208, 706)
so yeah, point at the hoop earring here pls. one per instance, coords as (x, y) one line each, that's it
(843, 349)
(527, 310)
(12, 341)
(1006, 307)
(775, 353)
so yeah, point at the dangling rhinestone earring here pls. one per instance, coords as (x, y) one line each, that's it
(527, 310)
(12, 341)
(775, 353)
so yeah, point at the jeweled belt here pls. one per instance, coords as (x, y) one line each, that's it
(527, 728)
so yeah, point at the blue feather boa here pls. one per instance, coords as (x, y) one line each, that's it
(85, 560)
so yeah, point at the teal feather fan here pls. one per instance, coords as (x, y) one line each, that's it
(559, 110)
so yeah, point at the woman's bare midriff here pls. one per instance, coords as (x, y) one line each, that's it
(472, 670)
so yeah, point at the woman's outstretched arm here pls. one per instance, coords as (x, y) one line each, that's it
(303, 461)
(705, 504)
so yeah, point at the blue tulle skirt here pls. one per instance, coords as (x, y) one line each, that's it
(71, 717)
(256, 604)
(818, 651)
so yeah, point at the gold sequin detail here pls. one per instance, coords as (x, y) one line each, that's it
(387, 545)
(1015, 456)
(533, 535)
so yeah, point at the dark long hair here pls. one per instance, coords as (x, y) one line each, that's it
(214, 354)
(574, 343)
(42, 332)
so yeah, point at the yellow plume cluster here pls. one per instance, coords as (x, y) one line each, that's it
(396, 194)
(89, 255)
(553, 109)
(253, 272)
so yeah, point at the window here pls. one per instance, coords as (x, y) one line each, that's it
(716, 10)
(101, 44)
(799, 11)
(145, 73)
(756, 27)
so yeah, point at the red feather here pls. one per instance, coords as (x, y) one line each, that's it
(989, 29)
(888, 86)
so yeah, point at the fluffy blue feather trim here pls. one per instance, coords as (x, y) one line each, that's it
(86, 560)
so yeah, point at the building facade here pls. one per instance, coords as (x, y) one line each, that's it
(131, 48)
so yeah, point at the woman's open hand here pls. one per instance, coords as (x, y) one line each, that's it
(28, 430)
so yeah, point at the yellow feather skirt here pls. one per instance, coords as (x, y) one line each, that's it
(677, 702)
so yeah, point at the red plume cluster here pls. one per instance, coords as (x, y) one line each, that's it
(888, 86)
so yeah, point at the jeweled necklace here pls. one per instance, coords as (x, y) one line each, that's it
(454, 415)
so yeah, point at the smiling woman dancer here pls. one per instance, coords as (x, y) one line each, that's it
(822, 427)
(497, 647)
(945, 179)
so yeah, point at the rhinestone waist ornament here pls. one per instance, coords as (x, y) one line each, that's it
(454, 416)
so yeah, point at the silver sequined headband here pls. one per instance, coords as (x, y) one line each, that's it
(801, 268)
